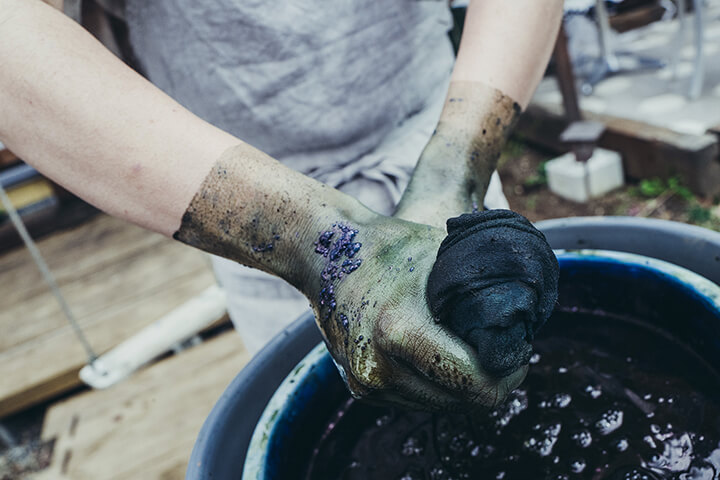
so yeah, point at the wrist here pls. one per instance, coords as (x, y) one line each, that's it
(333, 242)
(472, 130)
(455, 168)
(253, 210)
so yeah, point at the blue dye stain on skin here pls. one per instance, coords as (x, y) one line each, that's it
(343, 321)
(263, 247)
(338, 245)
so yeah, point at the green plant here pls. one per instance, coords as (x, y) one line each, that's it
(699, 214)
(654, 187)
(514, 148)
(538, 178)
(675, 186)
(531, 202)
(651, 188)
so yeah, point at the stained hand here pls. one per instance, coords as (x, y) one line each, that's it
(372, 309)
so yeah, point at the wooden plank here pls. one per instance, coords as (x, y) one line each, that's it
(41, 222)
(146, 426)
(566, 77)
(117, 278)
(715, 130)
(636, 18)
(648, 151)
(7, 158)
(100, 255)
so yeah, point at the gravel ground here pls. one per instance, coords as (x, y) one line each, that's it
(521, 170)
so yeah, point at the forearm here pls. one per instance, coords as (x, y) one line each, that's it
(507, 45)
(503, 54)
(254, 210)
(84, 119)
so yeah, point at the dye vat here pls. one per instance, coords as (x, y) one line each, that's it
(586, 410)
(624, 386)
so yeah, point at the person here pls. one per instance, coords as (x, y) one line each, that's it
(351, 93)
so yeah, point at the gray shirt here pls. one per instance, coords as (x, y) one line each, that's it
(312, 83)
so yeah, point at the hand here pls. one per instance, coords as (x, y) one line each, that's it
(371, 307)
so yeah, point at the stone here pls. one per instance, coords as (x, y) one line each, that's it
(580, 182)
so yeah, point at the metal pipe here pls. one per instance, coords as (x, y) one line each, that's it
(46, 273)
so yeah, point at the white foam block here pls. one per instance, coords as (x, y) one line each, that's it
(579, 182)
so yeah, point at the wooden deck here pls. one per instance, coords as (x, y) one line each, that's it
(117, 278)
(145, 427)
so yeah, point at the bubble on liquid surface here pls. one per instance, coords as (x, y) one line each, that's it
(622, 445)
(516, 403)
(582, 438)
(609, 422)
(578, 465)
(543, 444)
(594, 391)
(414, 445)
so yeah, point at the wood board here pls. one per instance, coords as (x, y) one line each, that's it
(146, 426)
(648, 151)
(117, 278)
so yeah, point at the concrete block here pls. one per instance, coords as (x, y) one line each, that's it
(580, 182)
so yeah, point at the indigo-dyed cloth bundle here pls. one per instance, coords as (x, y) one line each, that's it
(494, 284)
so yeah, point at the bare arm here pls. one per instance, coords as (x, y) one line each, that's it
(507, 45)
(82, 117)
(504, 50)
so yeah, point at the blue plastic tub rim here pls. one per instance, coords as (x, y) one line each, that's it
(317, 367)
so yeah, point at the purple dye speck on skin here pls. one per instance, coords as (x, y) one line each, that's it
(263, 247)
(339, 247)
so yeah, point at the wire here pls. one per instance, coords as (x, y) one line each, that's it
(46, 273)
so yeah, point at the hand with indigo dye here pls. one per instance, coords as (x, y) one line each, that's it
(364, 274)
(372, 310)
(366, 277)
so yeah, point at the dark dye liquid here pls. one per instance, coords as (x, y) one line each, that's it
(589, 409)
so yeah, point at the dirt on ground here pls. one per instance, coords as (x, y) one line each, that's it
(522, 171)
(21, 449)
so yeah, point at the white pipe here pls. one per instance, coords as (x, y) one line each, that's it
(156, 339)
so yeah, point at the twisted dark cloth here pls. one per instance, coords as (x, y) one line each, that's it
(494, 284)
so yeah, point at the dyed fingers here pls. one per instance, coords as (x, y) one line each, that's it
(437, 368)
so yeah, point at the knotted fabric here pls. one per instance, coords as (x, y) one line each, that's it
(494, 283)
